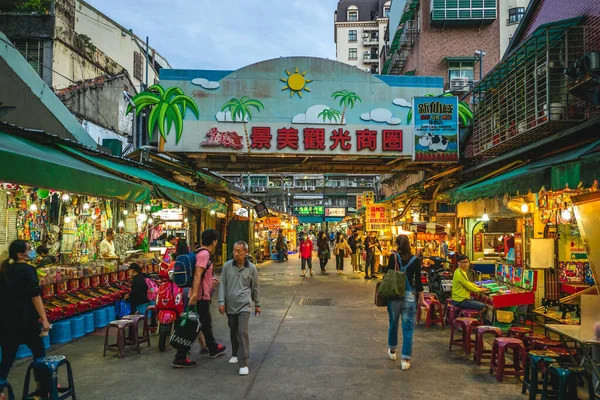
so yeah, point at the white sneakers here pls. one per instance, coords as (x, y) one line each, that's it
(405, 365)
(233, 360)
(392, 355)
(244, 371)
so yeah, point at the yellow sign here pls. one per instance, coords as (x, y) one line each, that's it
(378, 217)
(273, 223)
(368, 198)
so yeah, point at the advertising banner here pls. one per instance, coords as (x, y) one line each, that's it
(435, 129)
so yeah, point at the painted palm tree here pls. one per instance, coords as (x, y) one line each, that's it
(168, 109)
(347, 99)
(464, 111)
(329, 114)
(241, 110)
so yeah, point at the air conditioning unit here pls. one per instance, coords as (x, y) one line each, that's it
(261, 189)
(459, 84)
(311, 188)
(305, 189)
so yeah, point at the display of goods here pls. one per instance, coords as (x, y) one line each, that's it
(68, 309)
(95, 281)
(122, 275)
(53, 312)
(61, 288)
(48, 291)
(112, 277)
(93, 301)
(73, 285)
(82, 305)
(85, 283)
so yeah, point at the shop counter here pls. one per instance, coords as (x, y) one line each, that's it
(572, 288)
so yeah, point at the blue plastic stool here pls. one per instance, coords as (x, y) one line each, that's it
(100, 318)
(51, 364)
(111, 313)
(77, 327)
(4, 385)
(88, 322)
(61, 332)
(23, 352)
(46, 340)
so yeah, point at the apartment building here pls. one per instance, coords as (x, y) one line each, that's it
(359, 27)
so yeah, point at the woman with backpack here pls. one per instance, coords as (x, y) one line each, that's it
(139, 289)
(406, 307)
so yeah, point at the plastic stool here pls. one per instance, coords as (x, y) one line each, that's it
(4, 385)
(77, 327)
(122, 344)
(567, 381)
(480, 351)
(465, 342)
(472, 314)
(88, 322)
(434, 306)
(151, 316)
(60, 332)
(498, 364)
(546, 344)
(111, 313)
(451, 312)
(100, 318)
(518, 332)
(51, 364)
(530, 337)
(136, 319)
(537, 360)
(23, 352)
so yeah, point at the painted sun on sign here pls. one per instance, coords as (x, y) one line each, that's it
(296, 82)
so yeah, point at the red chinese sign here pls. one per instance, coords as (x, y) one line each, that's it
(478, 243)
(518, 250)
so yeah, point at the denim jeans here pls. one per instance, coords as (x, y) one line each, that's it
(281, 255)
(370, 263)
(407, 309)
(470, 305)
(339, 261)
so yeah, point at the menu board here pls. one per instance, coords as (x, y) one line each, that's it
(378, 217)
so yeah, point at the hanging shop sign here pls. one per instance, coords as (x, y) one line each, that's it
(378, 217)
(478, 243)
(261, 210)
(273, 223)
(309, 210)
(242, 212)
(335, 212)
(359, 202)
(431, 236)
(368, 198)
(299, 106)
(518, 250)
(435, 129)
(171, 214)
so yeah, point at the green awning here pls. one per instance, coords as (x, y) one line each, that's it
(391, 198)
(407, 15)
(472, 59)
(163, 188)
(554, 173)
(310, 219)
(30, 163)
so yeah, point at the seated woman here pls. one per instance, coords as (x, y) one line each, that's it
(139, 289)
(462, 287)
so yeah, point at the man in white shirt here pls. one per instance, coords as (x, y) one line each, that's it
(107, 246)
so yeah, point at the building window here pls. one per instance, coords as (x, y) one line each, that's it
(138, 67)
(352, 54)
(352, 13)
(515, 14)
(33, 52)
(460, 69)
(352, 36)
(386, 12)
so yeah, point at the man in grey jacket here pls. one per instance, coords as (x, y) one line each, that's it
(238, 287)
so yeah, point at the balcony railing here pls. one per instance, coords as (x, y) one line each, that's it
(525, 97)
(370, 41)
(370, 58)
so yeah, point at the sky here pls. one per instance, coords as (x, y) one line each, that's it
(228, 34)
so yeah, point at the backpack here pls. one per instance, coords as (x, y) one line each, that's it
(152, 289)
(184, 268)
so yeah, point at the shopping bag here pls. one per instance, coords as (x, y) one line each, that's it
(123, 308)
(186, 332)
(393, 285)
(379, 301)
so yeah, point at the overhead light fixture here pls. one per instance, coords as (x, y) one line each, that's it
(121, 224)
(125, 212)
(186, 220)
(67, 219)
(524, 208)
(449, 225)
(485, 216)
(86, 206)
(66, 197)
(149, 221)
(33, 207)
(212, 212)
(142, 217)
(566, 214)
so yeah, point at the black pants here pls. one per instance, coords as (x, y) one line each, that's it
(203, 307)
(370, 263)
(9, 355)
(339, 260)
(306, 261)
(323, 263)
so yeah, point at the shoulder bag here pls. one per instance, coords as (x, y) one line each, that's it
(393, 285)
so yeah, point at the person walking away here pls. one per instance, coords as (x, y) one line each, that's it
(24, 319)
(238, 288)
(139, 289)
(45, 257)
(107, 246)
(371, 242)
(323, 250)
(306, 250)
(462, 287)
(332, 239)
(280, 246)
(405, 307)
(341, 250)
(354, 258)
(200, 296)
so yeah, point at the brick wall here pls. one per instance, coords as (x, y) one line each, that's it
(434, 43)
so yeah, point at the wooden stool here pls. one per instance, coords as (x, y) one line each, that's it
(122, 344)
(465, 342)
(145, 336)
(480, 351)
(518, 332)
(498, 364)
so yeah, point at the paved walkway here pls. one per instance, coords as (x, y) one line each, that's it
(297, 352)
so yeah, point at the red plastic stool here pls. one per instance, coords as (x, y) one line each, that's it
(428, 295)
(465, 342)
(518, 332)
(153, 324)
(435, 314)
(564, 355)
(451, 313)
(546, 344)
(472, 314)
(480, 351)
(498, 364)
(531, 337)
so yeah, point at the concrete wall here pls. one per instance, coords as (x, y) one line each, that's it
(343, 45)
(507, 29)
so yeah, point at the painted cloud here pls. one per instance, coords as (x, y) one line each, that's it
(381, 115)
(311, 116)
(402, 103)
(206, 84)
(226, 117)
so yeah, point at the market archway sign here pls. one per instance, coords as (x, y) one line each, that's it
(281, 113)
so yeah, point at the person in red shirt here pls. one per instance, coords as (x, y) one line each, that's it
(306, 250)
